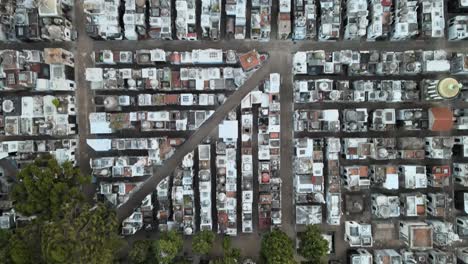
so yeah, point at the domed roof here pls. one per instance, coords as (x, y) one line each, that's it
(448, 88)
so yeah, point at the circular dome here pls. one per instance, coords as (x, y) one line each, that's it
(382, 152)
(221, 197)
(411, 67)
(110, 102)
(8, 106)
(131, 83)
(409, 115)
(335, 95)
(154, 83)
(374, 56)
(188, 231)
(319, 55)
(159, 124)
(353, 126)
(418, 114)
(324, 86)
(448, 88)
(146, 125)
(351, 115)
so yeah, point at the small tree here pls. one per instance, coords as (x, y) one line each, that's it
(167, 247)
(227, 244)
(312, 245)
(139, 252)
(56, 102)
(202, 242)
(277, 248)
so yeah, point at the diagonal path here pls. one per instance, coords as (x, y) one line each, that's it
(149, 185)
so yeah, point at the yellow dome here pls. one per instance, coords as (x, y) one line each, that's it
(448, 88)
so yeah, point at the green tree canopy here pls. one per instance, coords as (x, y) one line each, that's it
(202, 242)
(312, 245)
(167, 247)
(44, 186)
(84, 235)
(277, 248)
(140, 252)
(5, 236)
(24, 245)
(67, 229)
(56, 102)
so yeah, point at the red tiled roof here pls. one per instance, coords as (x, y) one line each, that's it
(129, 187)
(171, 99)
(441, 119)
(249, 60)
(265, 177)
(175, 57)
(175, 79)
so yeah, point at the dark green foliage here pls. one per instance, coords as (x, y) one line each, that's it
(67, 229)
(202, 242)
(140, 252)
(83, 235)
(56, 102)
(5, 236)
(277, 248)
(24, 245)
(312, 245)
(44, 186)
(226, 244)
(167, 247)
(162, 251)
